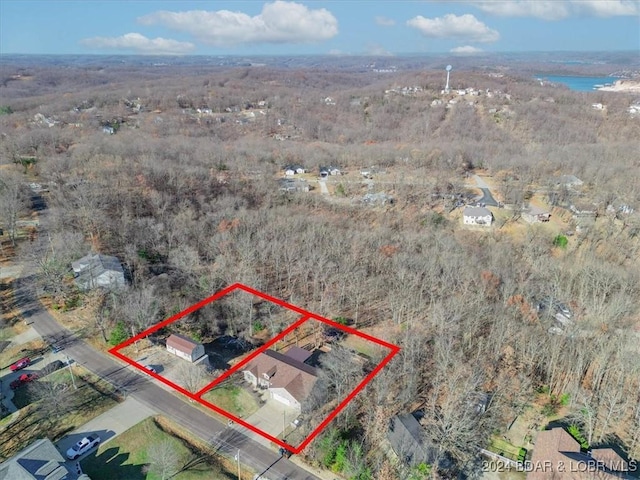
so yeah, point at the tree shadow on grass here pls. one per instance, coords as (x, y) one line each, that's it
(109, 465)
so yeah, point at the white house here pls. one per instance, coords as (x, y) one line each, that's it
(287, 378)
(477, 216)
(94, 271)
(184, 347)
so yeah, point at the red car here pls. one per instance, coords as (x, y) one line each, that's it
(22, 379)
(20, 364)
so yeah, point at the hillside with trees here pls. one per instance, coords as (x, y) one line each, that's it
(176, 173)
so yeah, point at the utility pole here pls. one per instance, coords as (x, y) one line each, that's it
(238, 459)
(73, 381)
(284, 422)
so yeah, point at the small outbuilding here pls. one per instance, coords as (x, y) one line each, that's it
(184, 347)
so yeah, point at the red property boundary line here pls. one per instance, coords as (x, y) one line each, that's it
(305, 316)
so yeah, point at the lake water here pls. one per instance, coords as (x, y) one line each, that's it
(579, 84)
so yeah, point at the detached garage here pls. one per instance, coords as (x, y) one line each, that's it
(184, 347)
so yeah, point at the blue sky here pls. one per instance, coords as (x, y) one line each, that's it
(316, 27)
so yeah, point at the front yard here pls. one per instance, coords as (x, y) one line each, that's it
(52, 407)
(234, 399)
(129, 456)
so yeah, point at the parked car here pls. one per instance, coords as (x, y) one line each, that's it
(20, 364)
(51, 367)
(83, 446)
(150, 368)
(56, 348)
(22, 379)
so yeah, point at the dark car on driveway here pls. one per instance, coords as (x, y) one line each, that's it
(20, 364)
(51, 367)
(22, 379)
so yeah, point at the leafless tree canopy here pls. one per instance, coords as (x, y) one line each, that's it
(185, 193)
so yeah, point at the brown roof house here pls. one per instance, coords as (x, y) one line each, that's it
(288, 379)
(184, 347)
(557, 455)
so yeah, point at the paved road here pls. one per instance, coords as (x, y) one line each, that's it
(143, 389)
(323, 186)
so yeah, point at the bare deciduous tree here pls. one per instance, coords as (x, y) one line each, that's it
(193, 377)
(164, 459)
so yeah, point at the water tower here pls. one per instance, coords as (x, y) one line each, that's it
(446, 87)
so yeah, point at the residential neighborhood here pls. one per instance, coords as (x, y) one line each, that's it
(328, 266)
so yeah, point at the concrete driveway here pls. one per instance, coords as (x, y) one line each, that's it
(37, 362)
(108, 425)
(272, 417)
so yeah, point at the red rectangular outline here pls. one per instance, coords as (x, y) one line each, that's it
(305, 316)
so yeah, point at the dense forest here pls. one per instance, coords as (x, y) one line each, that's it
(175, 173)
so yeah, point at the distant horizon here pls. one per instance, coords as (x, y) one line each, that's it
(331, 55)
(316, 27)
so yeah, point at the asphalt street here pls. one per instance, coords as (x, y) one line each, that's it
(227, 440)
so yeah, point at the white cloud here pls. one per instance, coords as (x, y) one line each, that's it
(464, 26)
(607, 8)
(279, 22)
(558, 9)
(466, 50)
(385, 21)
(141, 44)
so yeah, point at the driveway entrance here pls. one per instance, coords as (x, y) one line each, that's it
(272, 418)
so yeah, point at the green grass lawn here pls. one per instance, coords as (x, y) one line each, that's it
(233, 399)
(34, 420)
(126, 457)
(504, 448)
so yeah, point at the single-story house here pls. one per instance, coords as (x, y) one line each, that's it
(477, 216)
(330, 170)
(288, 379)
(568, 181)
(96, 270)
(409, 441)
(39, 461)
(294, 169)
(293, 185)
(557, 451)
(184, 347)
(533, 214)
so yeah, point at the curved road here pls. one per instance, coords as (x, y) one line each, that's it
(141, 387)
(227, 440)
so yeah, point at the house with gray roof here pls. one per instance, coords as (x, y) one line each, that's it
(408, 440)
(39, 461)
(477, 216)
(534, 214)
(288, 379)
(97, 270)
(568, 181)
